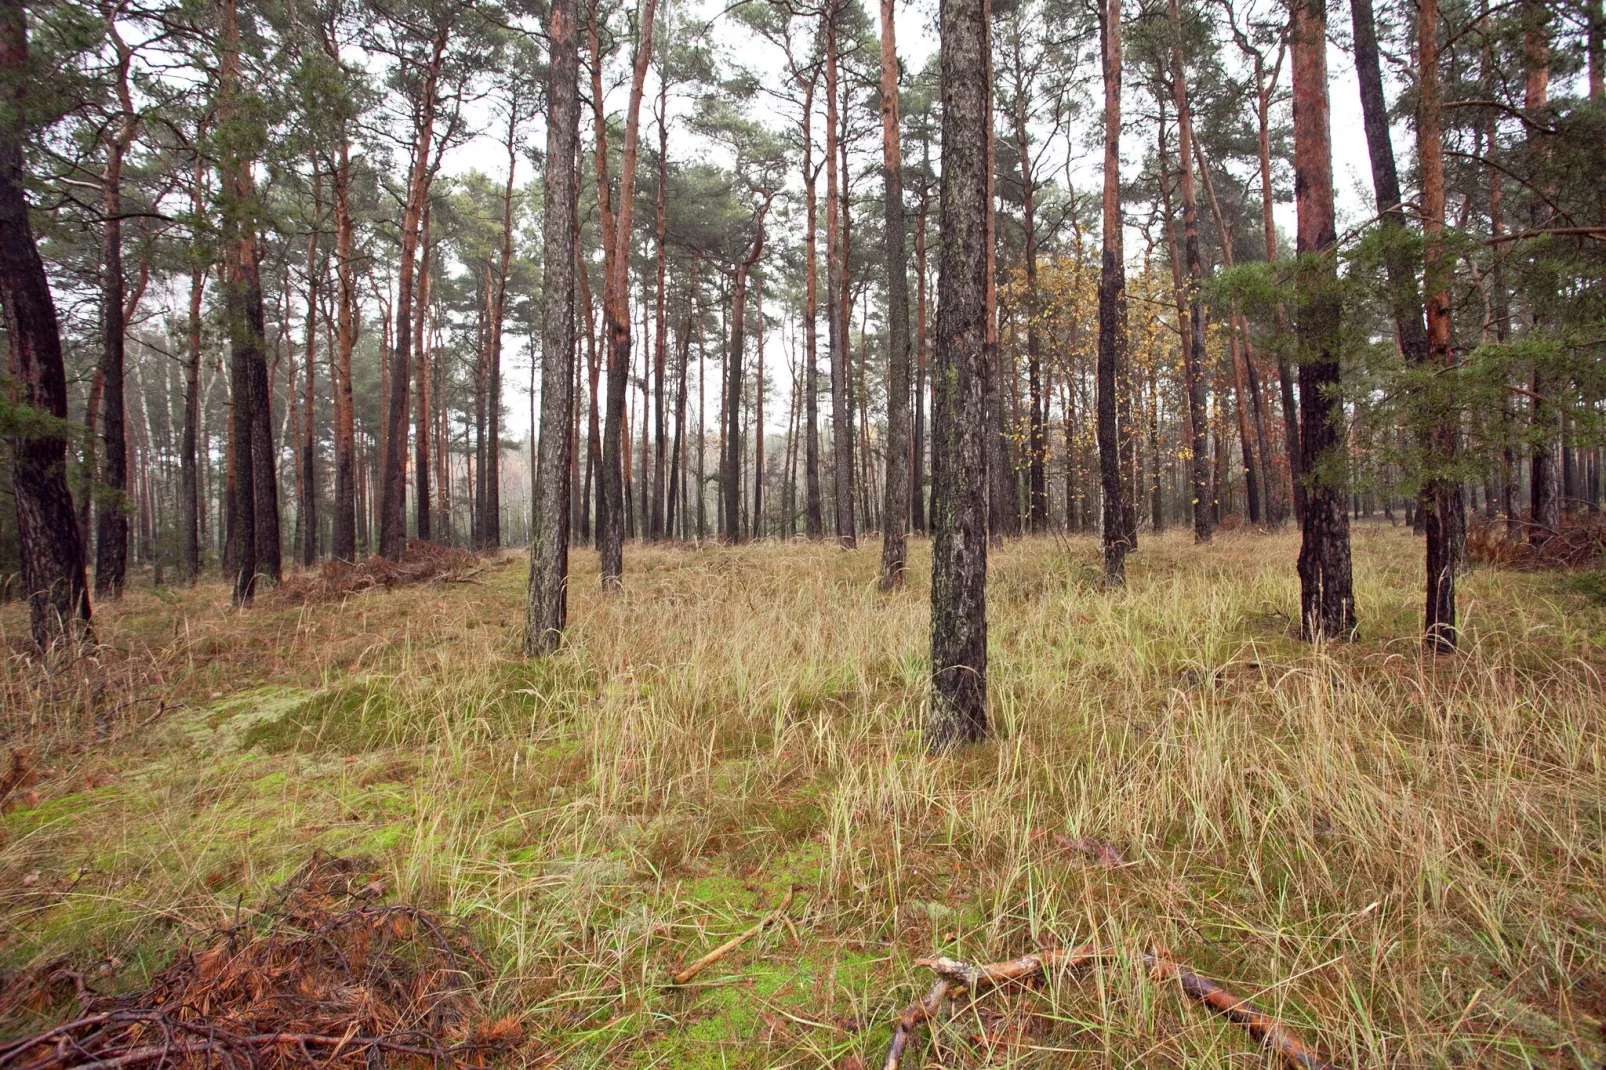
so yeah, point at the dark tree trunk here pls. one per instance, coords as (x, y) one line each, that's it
(660, 470)
(344, 545)
(1194, 353)
(307, 508)
(189, 476)
(1327, 601)
(393, 462)
(47, 531)
(424, 521)
(1405, 300)
(1112, 308)
(835, 299)
(917, 463)
(111, 522)
(1544, 485)
(814, 512)
(547, 612)
(958, 707)
(1446, 509)
(895, 508)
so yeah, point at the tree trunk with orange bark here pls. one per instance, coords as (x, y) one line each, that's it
(1327, 600)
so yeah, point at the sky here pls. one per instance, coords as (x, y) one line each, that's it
(917, 43)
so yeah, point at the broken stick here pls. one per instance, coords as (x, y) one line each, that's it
(960, 977)
(1256, 1022)
(922, 1010)
(733, 943)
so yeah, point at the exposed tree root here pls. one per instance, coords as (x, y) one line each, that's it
(733, 943)
(959, 978)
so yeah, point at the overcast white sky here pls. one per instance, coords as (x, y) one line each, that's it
(917, 43)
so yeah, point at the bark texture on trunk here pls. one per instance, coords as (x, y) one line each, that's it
(615, 296)
(547, 611)
(306, 455)
(958, 705)
(1112, 310)
(730, 475)
(1443, 497)
(190, 511)
(424, 521)
(1194, 353)
(111, 522)
(344, 545)
(1544, 481)
(835, 299)
(1327, 600)
(393, 461)
(52, 552)
(895, 507)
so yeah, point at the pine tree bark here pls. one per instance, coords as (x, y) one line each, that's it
(660, 471)
(424, 382)
(1446, 509)
(1544, 478)
(1112, 306)
(393, 462)
(344, 546)
(47, 532)
(895, 508)
(243, 291)
(917, 454)
(1194, 352)
(958, 706)
(547, 611)
(835, 299)
(730, 476)
(616, 297)
(1278, 494)
(491, 524)
(112, 506)
(1327, 600)
(190, 509)
(307, 469)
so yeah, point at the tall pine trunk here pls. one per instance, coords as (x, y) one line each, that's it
(895, 510)
(814, 522)
(958, 705)
(1445, 507)
(1194, 352)
(835, 298)
(393, 459)
(1327, 600)
(1112, 309)
(52, 553)
(111, 522)
(547, 612)
(344, 546)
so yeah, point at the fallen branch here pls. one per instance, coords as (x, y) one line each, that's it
(733, 943)
(1259, 1025)
(959, 977)
(910, 1020)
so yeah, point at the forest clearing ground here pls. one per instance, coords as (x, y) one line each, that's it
(1404, 860)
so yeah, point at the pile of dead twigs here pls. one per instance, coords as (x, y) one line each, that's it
(421, 562)
(1580, 543)
(329, 977)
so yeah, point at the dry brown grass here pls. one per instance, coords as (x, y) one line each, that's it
(1401, 857)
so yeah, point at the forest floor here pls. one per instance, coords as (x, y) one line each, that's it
(1402, 858)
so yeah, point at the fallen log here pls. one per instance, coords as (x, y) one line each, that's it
(958, 978)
